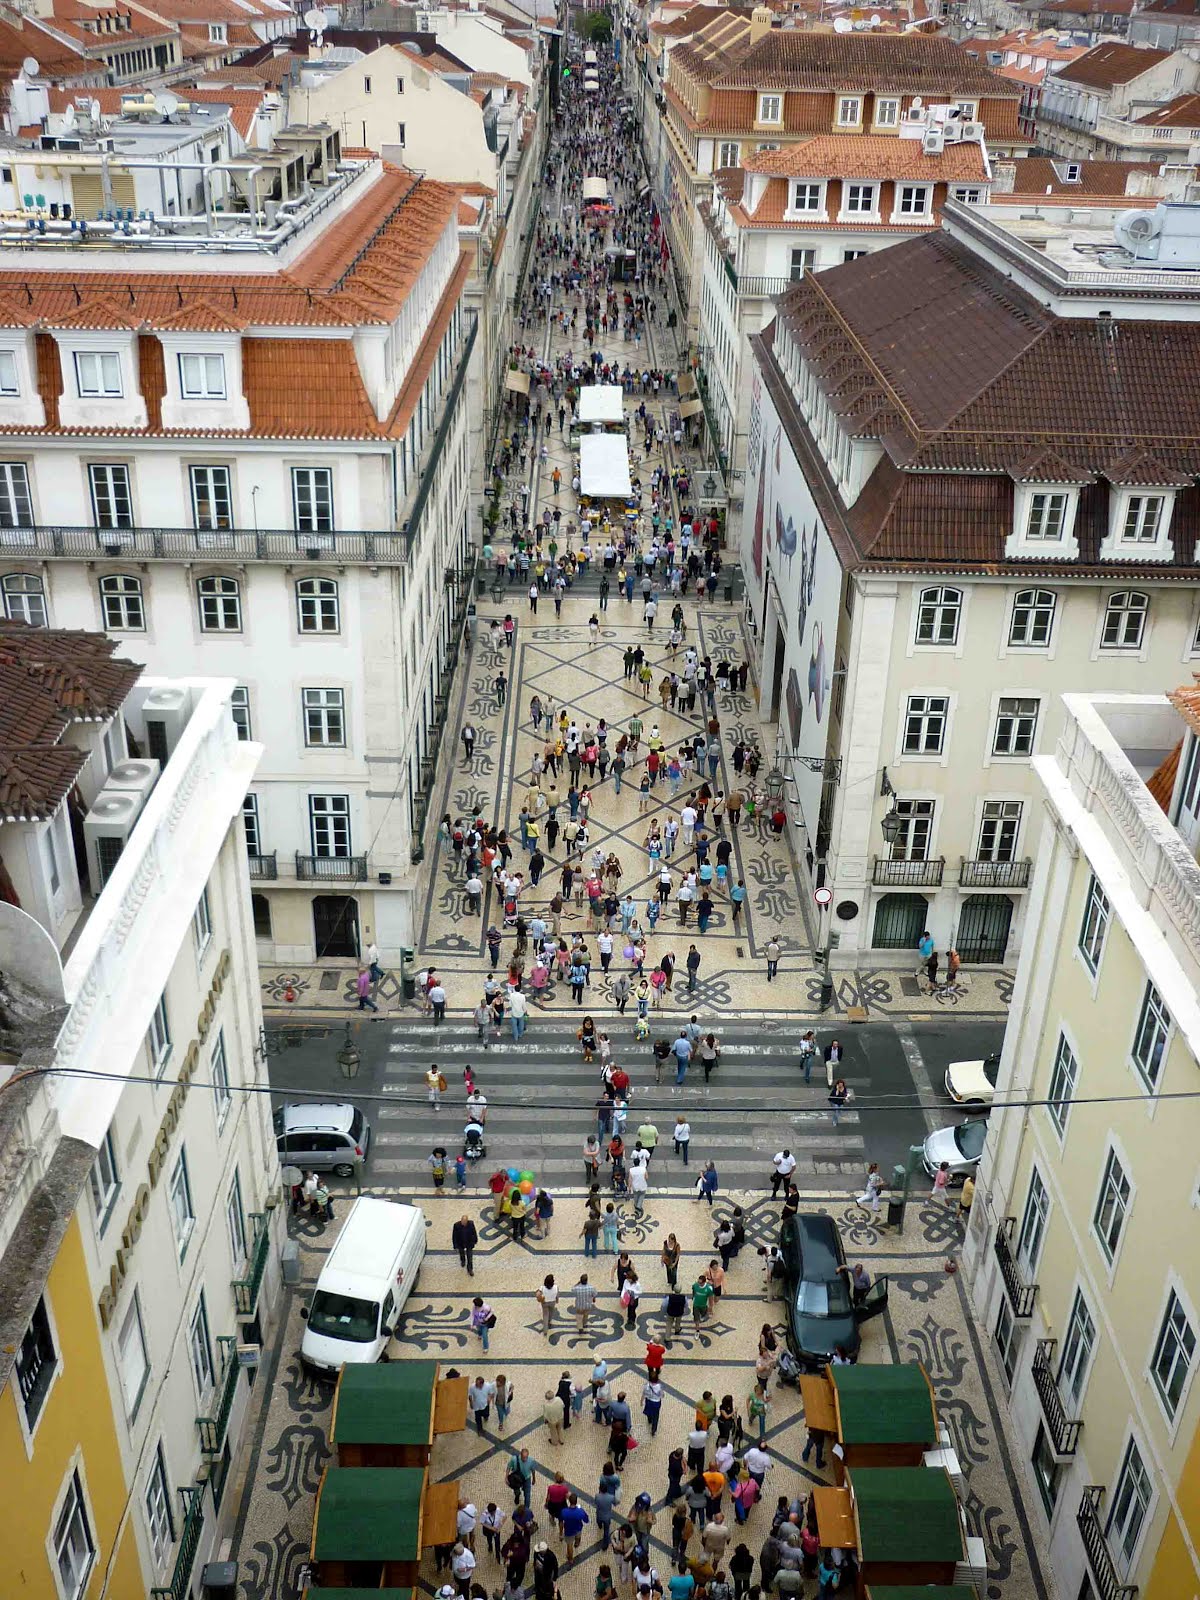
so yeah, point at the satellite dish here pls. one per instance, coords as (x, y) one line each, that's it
(842, 25)
(917, 102)
(30, 67)
(94, 110)
(69, 117)
(876, 20)
(314, 20)
(166, 104)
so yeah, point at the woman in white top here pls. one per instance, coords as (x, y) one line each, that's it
(547, 1297)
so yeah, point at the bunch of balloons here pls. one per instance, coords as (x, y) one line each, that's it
(523, 1181)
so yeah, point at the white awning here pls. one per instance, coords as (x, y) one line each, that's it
(594, 189)
(689, 408)
(686, 383)
(601, 402)
(517, 382)
(589, 88)
(604, 466)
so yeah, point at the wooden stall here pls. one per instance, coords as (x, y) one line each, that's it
(909, 1526)
(371, 1524)
(389, 1415)
(875, 1416)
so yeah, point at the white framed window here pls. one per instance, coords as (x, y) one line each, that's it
(329, 824)
(51, 857)
(235, 1223)
(1142, 519)
(10, 383)
(1112, 1207)
(770, 108)
(1007, 1337)
(1151, 1036)
(1174, 1351)
(1124, 624)
(220, 601)
(212, 500)
(200, 1348)
(98, 375)
(1047, 521)
(728, 153)
(859, 198)
(36, 1364)
(939, 612)
(133, 1363)
(915, 835)
(324, 716)
(1129, 1508)
(966, 109)
(216, 33)
(112, 497)
(887, 112)
(925, 719)
(219, 1073)
(202, 377)
(202, 929)
(849, 112)
(158, 1037)
(104, 1180)
(915, 200)
(312, 499)
(121, 603)
(1094, 928)
(160, 1527)
(74, 1544)
(1063, 1077)
(966, 194)
(239, 710)
(1032, 1232)
(1079, 1343)
(251, 824)
(1031, 624)
(24, 598)
(999, 830)
(807, 196)
(318, 608)
(183, 1214)
(1016, 727)
(16, 503)
(802, 261)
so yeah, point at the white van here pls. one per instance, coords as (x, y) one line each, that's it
(366, 1279)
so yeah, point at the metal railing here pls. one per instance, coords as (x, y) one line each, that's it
(50, 541)
(245, 1290)
(1091, 1531)
(908, 874)
(1064, 1430)
(336, 869)
(767, 288)
(214, 1428)
(264, 866)
(425, 466)
(180, 1585)
(1021, 1295)
(979, 873)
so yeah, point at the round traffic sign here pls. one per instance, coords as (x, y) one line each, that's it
(822, 896)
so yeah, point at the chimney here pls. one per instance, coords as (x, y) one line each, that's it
(761, 19)
(1004, 177)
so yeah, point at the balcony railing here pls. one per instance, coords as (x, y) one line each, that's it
(338, 869)
(214, 1428)
(766, 288)
(1021, 1295)
(264, 866)
(47, 541)
(180, 1586)
(978, 873)
(245, 1290)
(1064, 1432)
(909, 874)
(1091, 1530)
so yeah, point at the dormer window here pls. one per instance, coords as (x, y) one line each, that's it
(10, 382)
(216, 33)
(887, 113)
(202, 377)
(849, 113)
(1139, 525)
(859, 199)
(1143, 518)
(915, 200)
(98, 374)
(770, 108)
(1047, 516)
(1044, 522)
(807, 197)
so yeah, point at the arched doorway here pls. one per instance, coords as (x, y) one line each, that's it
(335, 925)
(983, 927)
(900, 920)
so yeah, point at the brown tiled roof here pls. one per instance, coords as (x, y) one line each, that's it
(1182, 112)
(849, 155)
(1161, 782)
(1037, 175)
(35, 782)
(696, 17)
(23, 37)
(1187, 702)
(862, 63)
(1106, 65)
(1084, 8)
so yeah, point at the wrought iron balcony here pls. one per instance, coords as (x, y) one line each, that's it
(245, 1290)
(180, 1586)
(909, 874)
(1064, 1432)
(1099, 1557)
(214, 1428)
(978, 873)
(1021, 1295)
(338, 869)
(264, 866)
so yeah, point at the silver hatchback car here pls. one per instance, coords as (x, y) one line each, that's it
(330, 1137)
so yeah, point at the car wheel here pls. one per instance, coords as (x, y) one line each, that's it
(344, 1169)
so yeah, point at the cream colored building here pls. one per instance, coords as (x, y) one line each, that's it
(1083, 1252)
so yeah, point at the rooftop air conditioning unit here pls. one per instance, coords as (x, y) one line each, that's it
(1137, 232)
(133, 777)
(106, 830)
(970, 130)
(165, 713)
(934, 142)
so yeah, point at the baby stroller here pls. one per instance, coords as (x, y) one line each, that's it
(473, 1146)
(788, 1369)
(620, 1179)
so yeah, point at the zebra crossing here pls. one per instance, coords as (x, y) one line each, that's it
(541, 1104)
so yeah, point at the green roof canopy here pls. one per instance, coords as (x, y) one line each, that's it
(387, 1403)
(885, 1404)
(907, 1514)
(370, 1514)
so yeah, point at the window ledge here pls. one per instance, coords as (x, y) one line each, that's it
(1018, 549)
(1128, 550)
(851, 218)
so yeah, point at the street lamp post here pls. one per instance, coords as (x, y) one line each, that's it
(348, 1058)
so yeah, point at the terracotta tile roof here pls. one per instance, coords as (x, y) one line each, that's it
(1182, 112)
(1187, 702)
(35, 782)
(1106, 65)
(21, 37)
(698, 16)
(1085, 8)
(913, 63)
(870, 156)
(1161, 782)
(1037, 175)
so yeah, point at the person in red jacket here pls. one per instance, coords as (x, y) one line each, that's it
(656, 1354)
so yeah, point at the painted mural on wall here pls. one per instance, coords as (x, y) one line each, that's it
(793, 577)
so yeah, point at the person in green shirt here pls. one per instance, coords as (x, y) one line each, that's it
(681, 1584)
(702, 1293)
(706, 1407)
(648, 1137)
(756, 1409)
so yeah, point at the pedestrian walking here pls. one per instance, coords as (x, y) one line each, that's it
(479, 1401)
(682, 1134)
(468, 737)
(941, 1184)
(774, 951)
(464, 1236)
(552, 1417)
(583, 1302)
(547, 1299)
(693, 965)
(784, 1164)
(838, 1096)
(871, 1192)
(362, 988)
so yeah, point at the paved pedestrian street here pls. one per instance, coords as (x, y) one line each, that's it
(926, 1321)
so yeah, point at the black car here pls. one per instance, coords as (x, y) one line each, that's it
(822, 1311)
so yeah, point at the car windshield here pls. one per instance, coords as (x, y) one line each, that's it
(969, 1137)
(341, 1316)
(991, 1069)
(357, 1124)
(823, 1299)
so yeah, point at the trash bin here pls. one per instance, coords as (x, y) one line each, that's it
(472, 621)
(289, 1261)
(219, 1580)
(408, 973)
(895, 1211)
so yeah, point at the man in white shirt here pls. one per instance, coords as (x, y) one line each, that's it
(518, 1008)
(784, 1163)
(687, 821)
(758, 1463)
(462, 1564)
(468, 1517)
(477, 1106)
(639, 1183)
(682, 1135)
